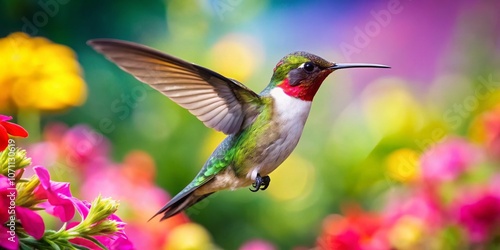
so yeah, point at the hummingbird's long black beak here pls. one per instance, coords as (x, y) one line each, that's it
(357, 65)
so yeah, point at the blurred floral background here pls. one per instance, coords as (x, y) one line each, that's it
(404, 158)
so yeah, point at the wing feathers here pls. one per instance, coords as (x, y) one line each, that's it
(219, 102)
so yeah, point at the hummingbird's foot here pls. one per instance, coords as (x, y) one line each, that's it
(261, 183)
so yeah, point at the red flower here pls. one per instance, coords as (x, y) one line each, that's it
(356, 230)
(9, 128)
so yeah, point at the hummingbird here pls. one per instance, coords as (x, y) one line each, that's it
(262, 129)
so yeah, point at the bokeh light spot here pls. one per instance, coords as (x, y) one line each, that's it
(236, 56)
(293, 179)
(407, 232)
(390, 108)
(402, 165)
(189, 236)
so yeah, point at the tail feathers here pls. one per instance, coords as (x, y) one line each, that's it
(178, 204)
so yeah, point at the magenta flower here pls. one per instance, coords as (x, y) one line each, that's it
(8, 244)
(9, 128)
(21, 225)
(118, 240)
(30, 220)
(59, 199)
(79, 147)
(5, 197)
(5, 194)
(119, 243)
(83, 146)
(447, 160)
(348, 239)
(479, 214)
(420, 204)
(83, 208)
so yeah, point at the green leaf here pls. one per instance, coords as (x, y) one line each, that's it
(53, 244)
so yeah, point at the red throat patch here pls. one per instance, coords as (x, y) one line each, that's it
(305, 92)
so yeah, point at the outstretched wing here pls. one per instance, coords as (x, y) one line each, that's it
(220, 103)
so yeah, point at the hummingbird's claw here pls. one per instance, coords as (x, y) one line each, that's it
(265, 182)
(261, 183)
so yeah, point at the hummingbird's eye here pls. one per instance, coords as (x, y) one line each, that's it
(309, 66)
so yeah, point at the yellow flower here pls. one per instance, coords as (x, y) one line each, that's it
(408, 233)
(390, 108)
(189, 236)
(403, 165)
(236, 56)
(38, 74)
(295, 170)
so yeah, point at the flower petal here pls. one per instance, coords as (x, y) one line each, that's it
(59, 206)
(6, 192)
(43, 175)
(12, 242)
(60, 188)
(60, 200)
(14, 129)
(117, 241)
(62, 208)
(122, 243)
(4, 183)
(4, 138)
(83, 207)
(84, 243)
(32, 222)
(5, 118)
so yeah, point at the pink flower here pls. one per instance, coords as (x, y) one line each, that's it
(133, 184)
(59, 199)
(83, 208)
(31, 221)
(118, 240)
(257, 245)
(120, 243)
(479, 213)
(9, 128)
(6, 242)
(447, 160)
(420, 203)
(80, 147)
(47, 152)
(6, 192)
(83, 146)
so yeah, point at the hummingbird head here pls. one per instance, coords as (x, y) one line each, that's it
(300, 74)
